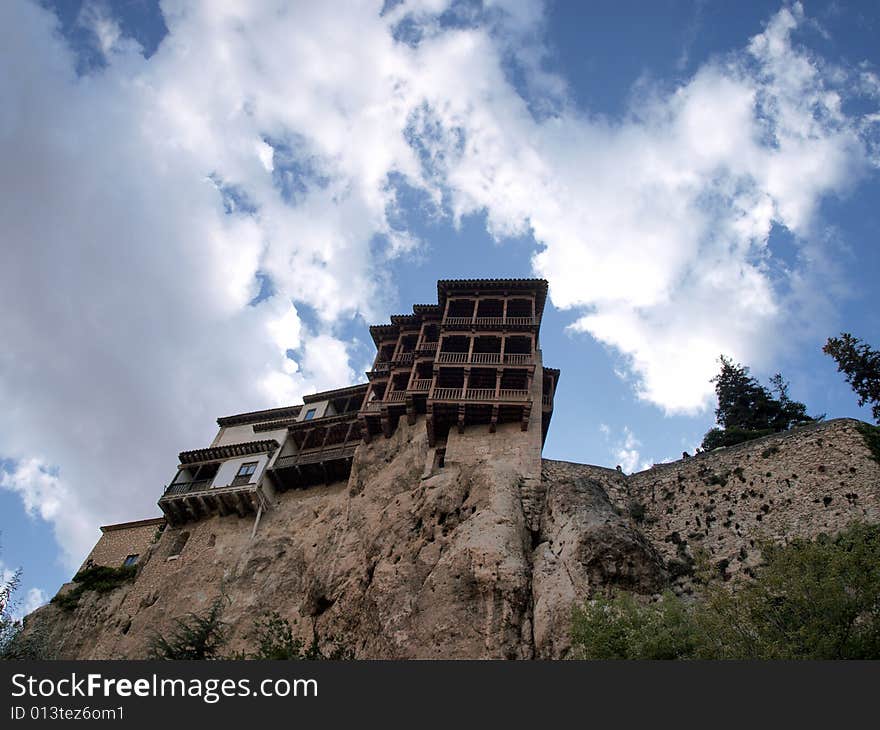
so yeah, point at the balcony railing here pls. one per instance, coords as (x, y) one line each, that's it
(395, 396)
(316, 456)
(504, 394)
(452, 357)
(546, 400)
(489, 321)
(373, 405)
(403, 358)
(484, 358)
(447, 393)
(426, 346)
(422, 384)
(186, 487)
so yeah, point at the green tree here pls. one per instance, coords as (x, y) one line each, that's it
(622, 627)
(195, 636)
(861, 365)
(809, 599)
(10, 627)
(747, 410)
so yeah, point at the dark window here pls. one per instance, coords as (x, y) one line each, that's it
(130, 560)
(310, 414)
(245, 472)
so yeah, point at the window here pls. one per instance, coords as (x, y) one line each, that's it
(245, 472)
(130, 560)
(310, 414)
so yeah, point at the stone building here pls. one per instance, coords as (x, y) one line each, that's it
(472, 358)
(414, 516)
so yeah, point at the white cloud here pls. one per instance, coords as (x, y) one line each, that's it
(656, 227)
(140, 203)
(33, 599)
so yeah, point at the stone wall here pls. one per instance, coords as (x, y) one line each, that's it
(117, 542)
(484, 557)
(815, 479)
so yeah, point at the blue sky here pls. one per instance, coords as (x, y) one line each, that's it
(203, 210)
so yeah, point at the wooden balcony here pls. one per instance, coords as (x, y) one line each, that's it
(402, 359)
(484, 358)
(488, 322)
(187, 487)
(314, 466)
(190, 501)
(422, 385)
(395, 396)
(506, 395)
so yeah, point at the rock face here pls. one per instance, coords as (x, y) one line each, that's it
(482, 558)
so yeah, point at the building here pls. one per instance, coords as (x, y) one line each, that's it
(473, 358)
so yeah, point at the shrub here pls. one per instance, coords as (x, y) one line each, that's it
(99, 578)
(195, 636)
(809, 599)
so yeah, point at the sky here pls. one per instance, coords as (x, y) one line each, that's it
(204, 205)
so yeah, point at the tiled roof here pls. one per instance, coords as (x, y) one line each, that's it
(348, 391)
(271, 414)
(135, 523)
(228, 451)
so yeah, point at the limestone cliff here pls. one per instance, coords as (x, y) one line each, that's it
(479, 558)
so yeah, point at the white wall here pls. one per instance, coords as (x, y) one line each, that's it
(320, 410)
(228, 469)
(246, 434)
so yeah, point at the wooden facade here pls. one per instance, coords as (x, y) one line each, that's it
(469, 359)
(472, 358)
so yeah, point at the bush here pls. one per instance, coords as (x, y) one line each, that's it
(623, 628)
(810, 599)
(194, 636)
(100, 578)
(275, 640)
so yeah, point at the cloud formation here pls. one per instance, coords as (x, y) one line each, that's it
(185, 234)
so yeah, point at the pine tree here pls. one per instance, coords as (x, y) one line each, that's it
(747, 410)
(861, 365)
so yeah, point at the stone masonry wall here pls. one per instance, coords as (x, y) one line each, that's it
(116, 544)
(815, 479)
(481, 558)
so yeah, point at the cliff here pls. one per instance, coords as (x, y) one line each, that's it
(481, 558)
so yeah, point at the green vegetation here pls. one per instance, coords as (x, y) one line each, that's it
(194, 636)
(637, 511)
(100, 579)
(275, 640)
(816, 599)
(10, 628)
(203, 636)
(861, 365)
(747, 410)
(871, 435)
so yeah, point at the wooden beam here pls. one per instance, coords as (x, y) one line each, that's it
(240, 505)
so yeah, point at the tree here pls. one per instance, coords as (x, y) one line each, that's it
(195, 636)
(861, 365)
(809, 599)
(747, 410)
(10, 627)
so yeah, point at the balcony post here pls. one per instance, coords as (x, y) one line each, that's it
(470, 354)
(504, 311)
(498, 383)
